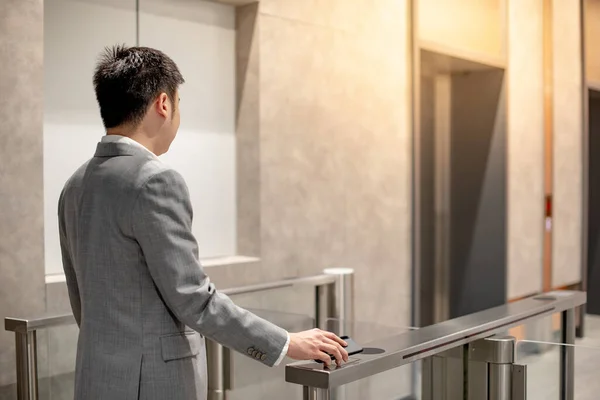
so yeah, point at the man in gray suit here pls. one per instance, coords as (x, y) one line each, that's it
(138, 292)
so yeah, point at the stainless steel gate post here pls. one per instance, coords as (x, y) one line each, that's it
(311, 393)
(443, 376)
(219, 370)
(324, 305)
(427, 378)
(567, 355)
(490, 368)
(335, 301)
(492, 374)
(500, 381)
(27, 373)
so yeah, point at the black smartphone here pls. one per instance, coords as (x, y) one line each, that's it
(352, 347)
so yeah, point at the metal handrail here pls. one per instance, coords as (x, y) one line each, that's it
(415, 345)
(23, 325)
(317, 280)
(333, 295)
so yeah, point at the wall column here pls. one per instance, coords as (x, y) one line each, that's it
(21, 171)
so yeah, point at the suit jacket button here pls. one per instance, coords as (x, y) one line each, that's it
(251, 350)
(258, 355)
(263, 357)
(254, 353)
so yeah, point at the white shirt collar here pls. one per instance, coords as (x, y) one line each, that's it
(125, 140)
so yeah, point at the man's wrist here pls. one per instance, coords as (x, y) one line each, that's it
(284, 351)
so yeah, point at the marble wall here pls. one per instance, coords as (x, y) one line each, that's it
(21, 189)
(525, 147)
(567, 154)
(476, 27)
(248, 130)
(324, 155)
(333, 146)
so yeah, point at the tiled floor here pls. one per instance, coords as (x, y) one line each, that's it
(592, 332)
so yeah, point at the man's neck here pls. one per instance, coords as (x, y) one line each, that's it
(136, 135)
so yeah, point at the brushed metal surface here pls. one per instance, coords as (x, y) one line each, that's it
(415, 345)
(495, 350)
(23, 325)
(500, 381)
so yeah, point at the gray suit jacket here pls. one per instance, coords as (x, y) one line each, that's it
(137, 290)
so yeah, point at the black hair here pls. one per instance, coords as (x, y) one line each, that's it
(128, 79)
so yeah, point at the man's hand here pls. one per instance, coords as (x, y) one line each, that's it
(317, 345)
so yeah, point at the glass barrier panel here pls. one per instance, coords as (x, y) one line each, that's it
(399, 383)
(253, 380)
(57, 348)
(250, 380)
(545, 329)
(297, 300)
(543, 369)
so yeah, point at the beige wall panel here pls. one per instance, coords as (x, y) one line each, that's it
(592, 39)
(470, 26)
(334, 154)
(21, 174)
(567, 153)
(247, 130)
(525, 153)
(366, 16)
(335, 147)
(302, 199)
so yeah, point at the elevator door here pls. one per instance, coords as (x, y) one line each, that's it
(462, 189)
(593, 280)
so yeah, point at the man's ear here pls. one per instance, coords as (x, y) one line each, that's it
(162, 105)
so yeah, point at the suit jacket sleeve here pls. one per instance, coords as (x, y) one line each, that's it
(162, 225)
(67, 260)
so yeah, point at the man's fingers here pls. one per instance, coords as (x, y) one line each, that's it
(336, 338)
(334, 351)
(324, 357)
(342, 351)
